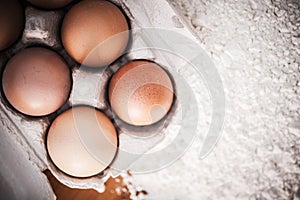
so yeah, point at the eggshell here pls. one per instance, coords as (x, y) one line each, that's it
(11, 22)
(36, 81)
(141, 93)
(94, 32)
(50, 4)
(82, 141)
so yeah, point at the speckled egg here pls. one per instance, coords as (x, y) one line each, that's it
(141, 93)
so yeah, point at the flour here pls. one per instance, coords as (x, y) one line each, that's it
(255, 47)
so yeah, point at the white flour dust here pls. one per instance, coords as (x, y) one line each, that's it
(255, 45)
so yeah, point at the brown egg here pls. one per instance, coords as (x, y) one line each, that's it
(95, 32)
(82, 142)
(141, 93)
(50, 4)
(36, 81)
(11, 22)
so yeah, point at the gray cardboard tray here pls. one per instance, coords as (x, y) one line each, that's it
(27, 135)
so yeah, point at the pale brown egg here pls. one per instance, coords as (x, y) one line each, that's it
(36, 81)
(11, 22)
(95, 32)
(82, 142)
(141, 93)
(50, 4)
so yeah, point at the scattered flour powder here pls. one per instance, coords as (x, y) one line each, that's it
(255, 45)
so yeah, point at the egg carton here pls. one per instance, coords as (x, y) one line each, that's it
(151, 22)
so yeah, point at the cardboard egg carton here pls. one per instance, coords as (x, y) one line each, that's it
(26, 136)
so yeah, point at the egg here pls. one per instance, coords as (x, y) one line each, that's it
(50, 4)
(36, 81)
(11, 22)
(94, 32)
(82, 141)
(141, 93)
